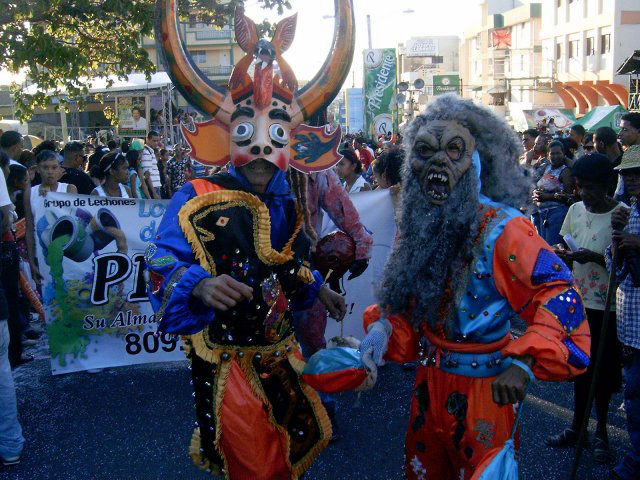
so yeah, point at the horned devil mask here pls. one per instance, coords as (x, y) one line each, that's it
(261, 117)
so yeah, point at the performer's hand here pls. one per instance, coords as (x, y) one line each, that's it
(358, 267)
(510, 386)
(222, 293)
(334, 302)
(620, 218)
(375, 344)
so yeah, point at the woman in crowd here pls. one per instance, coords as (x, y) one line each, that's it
(589, 224)
(386, 168)
(552, 194)
(50, 171)
(349, 169)
(113, 171)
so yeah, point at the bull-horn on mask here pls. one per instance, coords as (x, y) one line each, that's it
(260, 117)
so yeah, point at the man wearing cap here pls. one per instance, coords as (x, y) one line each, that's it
(626, 240)
(73, 158)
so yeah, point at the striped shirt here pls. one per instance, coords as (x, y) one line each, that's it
(150, 164)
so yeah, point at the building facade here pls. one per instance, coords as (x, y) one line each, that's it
(563, 54)
(426, 59)
(584, 42)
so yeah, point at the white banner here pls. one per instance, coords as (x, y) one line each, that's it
(91, 255)
(94, 290)
(377, 215)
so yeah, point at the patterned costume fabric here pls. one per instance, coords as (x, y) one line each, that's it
(454, 421)
(628, 296)
(245, 363)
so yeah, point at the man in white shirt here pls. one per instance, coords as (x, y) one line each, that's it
(149, 164)
(139, 122)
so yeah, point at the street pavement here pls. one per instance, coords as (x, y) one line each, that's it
(136, 422)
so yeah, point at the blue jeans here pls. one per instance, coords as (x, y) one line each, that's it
(11, 439)
(629, 466)
(548, 223)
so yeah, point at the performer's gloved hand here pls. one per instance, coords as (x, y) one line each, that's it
(358, 267)
(376, 342)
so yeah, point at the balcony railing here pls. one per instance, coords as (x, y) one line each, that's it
(213, 34)
(217, 71)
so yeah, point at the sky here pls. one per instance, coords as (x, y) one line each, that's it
(392, 22)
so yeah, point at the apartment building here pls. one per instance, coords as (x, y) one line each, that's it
(584, 42)
(500, 58)
(562, 54)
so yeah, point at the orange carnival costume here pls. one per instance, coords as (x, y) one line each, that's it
(466, 264)
(256, 418)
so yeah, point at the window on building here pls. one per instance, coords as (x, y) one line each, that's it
(559, 3)
(590, 46)
(573, 49)
(199, 56)
(558, 51)
(605, 43)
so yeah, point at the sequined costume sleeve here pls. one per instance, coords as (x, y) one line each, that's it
(539, 288)
(174, 273)
(334, 199)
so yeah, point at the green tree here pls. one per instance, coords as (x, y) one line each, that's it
(59, 44)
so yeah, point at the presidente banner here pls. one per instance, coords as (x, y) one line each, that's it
(446, 84)
(91, 255)
(379, 90)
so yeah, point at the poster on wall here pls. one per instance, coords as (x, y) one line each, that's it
(131, 113)
(379, 91)
(94, 293)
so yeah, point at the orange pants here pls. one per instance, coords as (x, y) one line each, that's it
(454, 422)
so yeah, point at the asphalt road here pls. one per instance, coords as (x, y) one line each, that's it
(136, 422)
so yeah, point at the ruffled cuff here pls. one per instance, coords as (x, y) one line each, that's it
(307, 294)
(181, 313)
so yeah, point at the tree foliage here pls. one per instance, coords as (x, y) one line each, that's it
(59, 44)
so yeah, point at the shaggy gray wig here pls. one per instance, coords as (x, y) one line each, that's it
(435, 242)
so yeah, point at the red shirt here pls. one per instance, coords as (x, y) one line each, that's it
(365, 157)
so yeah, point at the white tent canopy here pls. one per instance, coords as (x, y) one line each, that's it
(135, 82)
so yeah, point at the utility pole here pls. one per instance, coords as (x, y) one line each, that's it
(369, 30)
